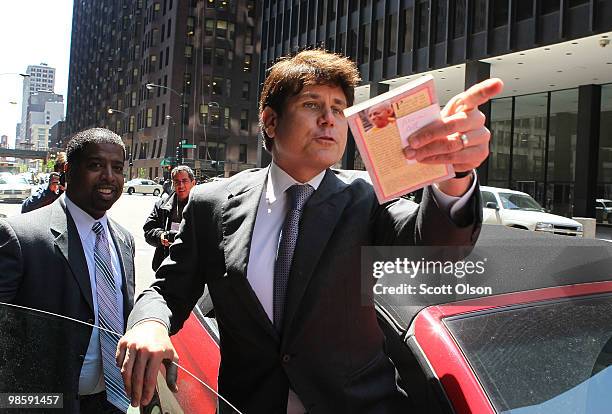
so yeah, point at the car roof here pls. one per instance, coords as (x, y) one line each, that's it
(543, 261)
(501, 190)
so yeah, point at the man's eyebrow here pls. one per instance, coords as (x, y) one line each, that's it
(313, 95)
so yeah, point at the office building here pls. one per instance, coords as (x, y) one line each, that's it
(551, 127)
(166, 71)
(42, 78)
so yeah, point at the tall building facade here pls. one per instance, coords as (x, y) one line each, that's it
(41, 78)
(551, 127)
(163, 73)
(44, 110)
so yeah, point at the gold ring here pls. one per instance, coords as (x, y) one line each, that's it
(464, 140)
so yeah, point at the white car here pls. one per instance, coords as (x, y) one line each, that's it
(143, 186)
(519, 210)
(14, 188)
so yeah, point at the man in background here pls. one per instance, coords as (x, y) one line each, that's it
(45, 196)
(162, 225)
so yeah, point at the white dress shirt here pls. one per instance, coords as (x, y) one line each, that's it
(273, 206)
(91, 380)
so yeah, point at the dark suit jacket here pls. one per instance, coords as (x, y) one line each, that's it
(331, 349)
(158, 221)
(43, 266)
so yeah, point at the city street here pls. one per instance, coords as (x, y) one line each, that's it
(130, 211)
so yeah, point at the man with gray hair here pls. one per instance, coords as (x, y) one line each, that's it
(163, 222)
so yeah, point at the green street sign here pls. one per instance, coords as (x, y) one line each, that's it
(188, 146)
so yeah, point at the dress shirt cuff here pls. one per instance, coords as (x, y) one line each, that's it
(451, 204)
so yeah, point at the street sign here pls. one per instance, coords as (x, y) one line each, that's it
(188, 146)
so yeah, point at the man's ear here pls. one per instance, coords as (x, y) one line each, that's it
(269, 120)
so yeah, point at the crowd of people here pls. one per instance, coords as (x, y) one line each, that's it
(277, 248)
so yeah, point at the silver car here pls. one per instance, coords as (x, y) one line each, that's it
(14, 188)
(142, 186)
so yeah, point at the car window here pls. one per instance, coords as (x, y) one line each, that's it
(488, 197)
(608, 204)
(513, 201)
(13, 180)
(38, 352)
(518, 351)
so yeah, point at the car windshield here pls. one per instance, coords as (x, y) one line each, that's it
(42, 353)
(512, 201)
(13, 180)
(518, 351)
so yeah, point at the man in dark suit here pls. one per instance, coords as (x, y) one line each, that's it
(70, 259)
(279, 251)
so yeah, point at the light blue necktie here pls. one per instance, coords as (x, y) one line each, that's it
(298, 195)
(109, 319)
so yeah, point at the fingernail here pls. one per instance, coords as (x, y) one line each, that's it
(414, 141)
(409, 153)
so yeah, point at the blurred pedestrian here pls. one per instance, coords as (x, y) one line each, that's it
(47, 195)
(69, 258)
(163, 222)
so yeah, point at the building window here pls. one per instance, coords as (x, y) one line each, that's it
(379, 32)
(441, 13)
(221, 31)
(220, 57)
(524, 10)
(226, 118)
(248, 36)
(244, 119)
(500, 12)
(248, 58)
(207, 56)
(423, 23)
(459, 19)
(392, 34)
(217, 86)
(169, 31)
(186, 84)
(550, 6)
(188, 51)
(364, 50)
(242, 156)
(250, 6)
(209, 27)
(246, 90)
(190, 26)
(480, 16)
(204, 114)
(149, 117)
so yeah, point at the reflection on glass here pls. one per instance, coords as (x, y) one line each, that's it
(562, 151)
(499, 160)
(604, 174)
(529, 144)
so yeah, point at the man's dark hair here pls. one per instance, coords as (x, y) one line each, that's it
(288, 76)
(80, 141)
(182, 168)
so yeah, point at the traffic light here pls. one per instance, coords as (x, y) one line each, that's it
(179, 155)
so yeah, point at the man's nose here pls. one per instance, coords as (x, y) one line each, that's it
(327, 117)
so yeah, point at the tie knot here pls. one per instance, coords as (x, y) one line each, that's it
(299, 194)
(97, 228)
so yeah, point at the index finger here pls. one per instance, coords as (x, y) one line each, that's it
(475, 96)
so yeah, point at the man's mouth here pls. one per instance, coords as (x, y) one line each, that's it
(106, 192)
(325, 138)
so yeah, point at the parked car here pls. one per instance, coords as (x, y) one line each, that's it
(519, 210)
(142, 186)
(14, 188)
(604, 210)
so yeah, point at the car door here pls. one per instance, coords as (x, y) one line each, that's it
(490, 215)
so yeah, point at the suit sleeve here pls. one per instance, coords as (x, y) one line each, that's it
(11, 263)
(179, 281)
(154, 226)
(402, 223)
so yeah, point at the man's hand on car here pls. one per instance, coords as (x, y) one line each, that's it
(140, 352)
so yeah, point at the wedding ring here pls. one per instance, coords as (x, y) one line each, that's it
(464, 140)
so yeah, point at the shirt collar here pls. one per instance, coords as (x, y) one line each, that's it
(279, 181)
(83, 221)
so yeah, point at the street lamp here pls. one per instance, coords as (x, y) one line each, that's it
(150, 86)
(111, 111)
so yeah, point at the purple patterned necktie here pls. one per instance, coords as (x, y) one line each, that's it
(298, 195)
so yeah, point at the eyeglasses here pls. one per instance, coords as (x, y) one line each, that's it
(179, 182)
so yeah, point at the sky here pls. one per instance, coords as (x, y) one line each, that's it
(31, 32)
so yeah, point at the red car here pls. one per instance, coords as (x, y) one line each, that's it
(542, 343)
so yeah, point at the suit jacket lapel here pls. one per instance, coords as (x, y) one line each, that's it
(239, 215)
(319, 219)
(125, 261)
(69, 244)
